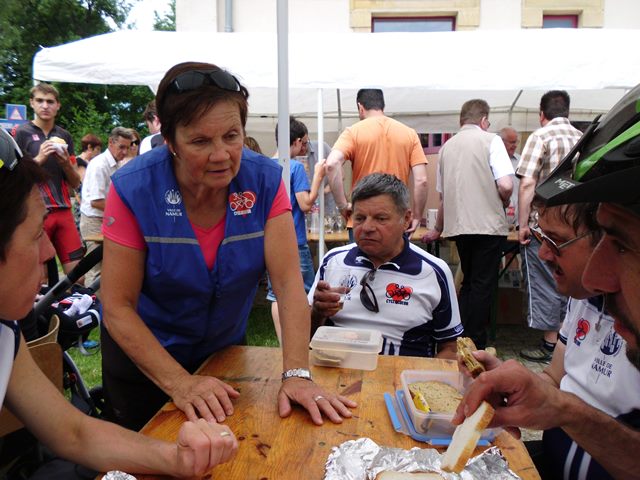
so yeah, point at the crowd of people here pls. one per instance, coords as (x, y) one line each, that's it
(194, 215)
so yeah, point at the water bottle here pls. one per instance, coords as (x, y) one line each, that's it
(315, 219)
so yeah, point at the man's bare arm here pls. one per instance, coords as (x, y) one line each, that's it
(335, 176)
(526, 193)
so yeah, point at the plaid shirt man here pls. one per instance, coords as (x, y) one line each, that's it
(546, 147)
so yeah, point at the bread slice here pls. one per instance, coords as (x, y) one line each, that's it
(465, 346)
(440, 397)
(408, 476)
(465, 439)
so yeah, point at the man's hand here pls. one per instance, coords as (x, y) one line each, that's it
(520, 397)
(319, 168)
(314, 399)
(47, 148)
(415, 223)
(346, 211)
(524, 234)
(431, 236)
(326, 300)
(204, 396)
(202, 445)
(488, 361)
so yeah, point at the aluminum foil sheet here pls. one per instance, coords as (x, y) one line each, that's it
(117, 475)
(363, 459)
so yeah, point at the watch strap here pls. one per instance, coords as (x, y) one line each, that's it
(297, 373)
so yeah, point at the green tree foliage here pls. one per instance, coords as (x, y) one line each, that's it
(168, 22)
(26, 25)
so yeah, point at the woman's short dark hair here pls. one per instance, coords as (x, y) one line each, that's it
(16, 186)
(184, 108)
(90, 141)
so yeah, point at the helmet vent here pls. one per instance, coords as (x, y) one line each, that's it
(633, 148)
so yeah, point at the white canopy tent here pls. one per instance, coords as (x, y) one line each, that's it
(425, 76)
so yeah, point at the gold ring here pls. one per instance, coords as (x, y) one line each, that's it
(317, 398)
(224, 434)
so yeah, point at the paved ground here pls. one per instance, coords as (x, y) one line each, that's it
(510, 339)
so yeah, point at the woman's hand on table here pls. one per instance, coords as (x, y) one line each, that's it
(314, 399)
(202, 445)
(203, 396)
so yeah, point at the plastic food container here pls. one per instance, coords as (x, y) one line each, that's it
(433, 424)
(346, 348)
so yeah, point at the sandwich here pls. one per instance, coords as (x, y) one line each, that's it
(465, 346)
(57, 140)
(435, 396)
(465, 439)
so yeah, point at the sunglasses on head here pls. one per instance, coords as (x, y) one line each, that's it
(367, 297)
(188, 81)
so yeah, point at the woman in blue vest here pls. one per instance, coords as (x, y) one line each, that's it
(30, 396)
(189, 229)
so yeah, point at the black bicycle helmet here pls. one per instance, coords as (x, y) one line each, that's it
(604, 166)
(10, 153)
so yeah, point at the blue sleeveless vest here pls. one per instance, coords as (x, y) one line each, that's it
(192, 311)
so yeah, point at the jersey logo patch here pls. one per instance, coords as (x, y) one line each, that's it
(173, 198)
(582, 329)
(35, 137)
(398, 294)
(612, 343)
(241, 203)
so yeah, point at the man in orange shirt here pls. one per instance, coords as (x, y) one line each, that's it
(378, 144)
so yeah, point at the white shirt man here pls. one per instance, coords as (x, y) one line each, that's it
(95, 186)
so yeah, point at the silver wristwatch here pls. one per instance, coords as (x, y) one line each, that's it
(298, 373)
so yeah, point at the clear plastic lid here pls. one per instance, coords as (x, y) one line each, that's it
(339, 338)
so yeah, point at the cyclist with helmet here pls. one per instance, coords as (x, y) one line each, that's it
(607, 171)
(24, 248)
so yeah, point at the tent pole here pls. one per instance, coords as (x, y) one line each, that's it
(339, 111)
(513, 105)
(320, 155)
(283, 93)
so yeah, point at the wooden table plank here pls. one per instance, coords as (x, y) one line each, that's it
(294, 448)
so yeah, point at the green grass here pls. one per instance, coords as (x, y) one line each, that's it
(260, 332)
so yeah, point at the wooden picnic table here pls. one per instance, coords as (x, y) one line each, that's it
(294, 448)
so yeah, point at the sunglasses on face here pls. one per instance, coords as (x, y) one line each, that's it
(188, 81)
(553, 246)
(367, 297)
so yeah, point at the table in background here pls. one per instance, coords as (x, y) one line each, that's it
(294, 448)
(342, 237)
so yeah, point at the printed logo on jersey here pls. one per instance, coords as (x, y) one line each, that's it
(173, 199)
(398, 294)
(612, 343)
(610, 347)
(582, 329)
(35, 137)
(241, 203)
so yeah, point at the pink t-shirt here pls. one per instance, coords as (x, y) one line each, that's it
(122, 226)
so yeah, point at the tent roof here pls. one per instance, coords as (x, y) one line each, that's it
(423, 75)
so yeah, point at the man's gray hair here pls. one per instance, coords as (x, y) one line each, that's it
(121, 132)
(382, 184)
